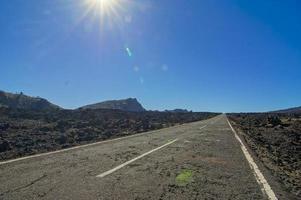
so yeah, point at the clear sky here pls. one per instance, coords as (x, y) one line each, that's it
(204, 55)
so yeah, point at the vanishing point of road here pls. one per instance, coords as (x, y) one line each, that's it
(199, 160)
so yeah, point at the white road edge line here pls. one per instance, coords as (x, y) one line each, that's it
(265, 187)
(133, 160)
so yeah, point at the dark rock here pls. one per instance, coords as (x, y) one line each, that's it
(4, 126)
(4, 146)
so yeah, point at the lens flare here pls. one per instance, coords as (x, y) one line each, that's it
(129, 52)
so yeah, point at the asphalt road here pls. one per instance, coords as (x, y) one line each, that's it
(200, 160)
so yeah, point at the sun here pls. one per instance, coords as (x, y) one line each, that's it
(104, 7)
(103, 3)
(107, 14)
(106, 11)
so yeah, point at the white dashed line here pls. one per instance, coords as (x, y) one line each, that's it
(203, 127)
(133, 160)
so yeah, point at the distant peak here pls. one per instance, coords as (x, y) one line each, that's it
(130, 99)
(129, 104)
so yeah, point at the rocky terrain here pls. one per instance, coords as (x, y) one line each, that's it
(25, 132)
(276, 140)
(22, 101)
(130, 104)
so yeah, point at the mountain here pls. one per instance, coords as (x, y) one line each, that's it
(130, 104)
(22, 101)
(289, 110)
(178, 111)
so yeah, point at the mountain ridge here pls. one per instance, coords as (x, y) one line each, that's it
(288, 110)
(21, 101)
(129, 104)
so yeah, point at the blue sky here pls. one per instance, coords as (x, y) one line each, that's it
(230, 56)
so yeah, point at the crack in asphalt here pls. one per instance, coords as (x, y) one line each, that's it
(25, 186)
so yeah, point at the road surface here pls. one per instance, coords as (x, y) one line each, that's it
(199, 160)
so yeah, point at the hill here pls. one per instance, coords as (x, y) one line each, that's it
(21, 101)
(294, 110)
(130, 104)
(178, 110)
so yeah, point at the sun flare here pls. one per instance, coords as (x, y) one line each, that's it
(110, 12)
(103, 2)
(104, 7)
